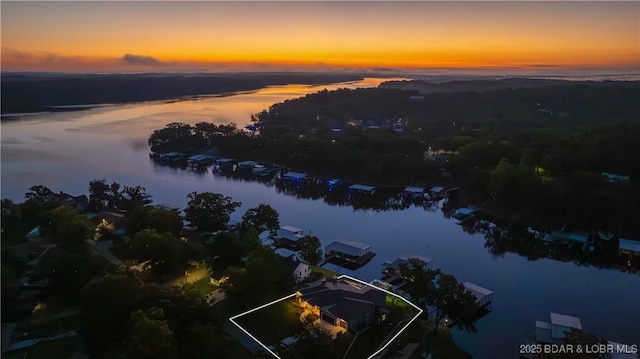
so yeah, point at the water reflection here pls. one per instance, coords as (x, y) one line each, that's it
(500, 237)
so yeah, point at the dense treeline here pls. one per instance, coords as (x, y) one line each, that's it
(117, 311)
(529, 154)
(440, 114)
(33, 93)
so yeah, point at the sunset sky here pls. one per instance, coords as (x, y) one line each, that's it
(270, 36)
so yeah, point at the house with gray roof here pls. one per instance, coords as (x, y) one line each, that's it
(346, 304)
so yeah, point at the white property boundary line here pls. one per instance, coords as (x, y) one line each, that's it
(232, 319)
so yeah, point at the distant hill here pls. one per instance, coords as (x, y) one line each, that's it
(41, 92)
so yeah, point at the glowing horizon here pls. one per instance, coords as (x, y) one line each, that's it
(324, 36)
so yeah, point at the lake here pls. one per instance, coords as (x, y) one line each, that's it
(66, 150)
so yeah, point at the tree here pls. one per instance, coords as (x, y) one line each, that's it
(161, 220)
(171, 132)
(225, 251)
(250, 240)
(98, 195)
(454, 301)
(106, 302)
(68, 228)
(13, 226)
(114, 197)
(577, 337)
(420, 281)
(263, 279)
(311, 252)
(162, 249)
(209, 211)
(133, 197)
(39, 195)
(515, 187)
(428, 287)
(149, 336)
(263, 218)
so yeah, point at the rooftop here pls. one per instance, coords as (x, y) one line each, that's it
(396, 264)
(361, 187)
(414, 189)
(629, 245)
(294, 175)
(348, 247)
(477, 290)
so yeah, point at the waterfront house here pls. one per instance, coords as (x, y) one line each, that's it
(348, 253)
(285, 236)
(109, 223)
(345, 304)
(362, 189)
(554, 332)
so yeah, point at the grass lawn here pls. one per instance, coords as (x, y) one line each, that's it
(273, 323)
(201, 286)
(400, 312)
(324, 272)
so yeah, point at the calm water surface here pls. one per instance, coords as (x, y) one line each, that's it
(65, 151)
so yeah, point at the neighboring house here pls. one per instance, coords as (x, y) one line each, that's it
(346, 304)
(79, 203)
(441, 160)
(299, 269)
(109, 223)
(287, 236)
(191, 233)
